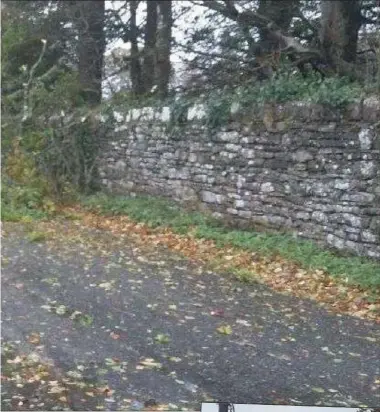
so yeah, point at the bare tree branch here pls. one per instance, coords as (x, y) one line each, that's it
(212, 54)
(246, 17)
(253, 19)
(27, 103)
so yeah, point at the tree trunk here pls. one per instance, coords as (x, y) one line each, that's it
(136, 72)
(281, 14)
(340, 24)
(150, 46)
(91, 49)
(164, 40)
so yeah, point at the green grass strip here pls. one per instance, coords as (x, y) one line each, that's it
(157, 212)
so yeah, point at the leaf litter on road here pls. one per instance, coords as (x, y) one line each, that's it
(75, 315)
(281, 275)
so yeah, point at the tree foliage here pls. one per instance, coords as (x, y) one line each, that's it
(251, 39)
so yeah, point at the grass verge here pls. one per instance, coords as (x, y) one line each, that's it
(23, 203)
(156, 212)
(22, 214)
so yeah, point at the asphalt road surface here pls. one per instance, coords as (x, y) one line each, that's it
(149, 324)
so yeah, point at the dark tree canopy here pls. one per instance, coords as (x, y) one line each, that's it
(219, 42)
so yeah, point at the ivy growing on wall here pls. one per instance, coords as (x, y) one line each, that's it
(334, 92)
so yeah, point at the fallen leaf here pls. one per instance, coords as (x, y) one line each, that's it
(106, 285)
(161, 338)
(224, 330)
(34, 338)
(57, 389)
(243, 322)
(60, 310)
(75, 314)
(74, 374)
(280, 357)
(85, 320)
(150, 363)
(33, 358)
(175, 359)
(16, 360)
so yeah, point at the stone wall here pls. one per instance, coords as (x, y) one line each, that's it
(299, 167)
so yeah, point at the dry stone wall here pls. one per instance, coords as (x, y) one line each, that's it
(298, 167)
